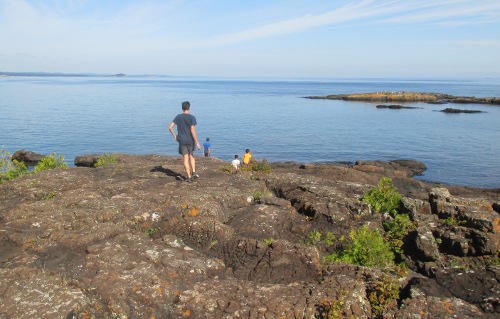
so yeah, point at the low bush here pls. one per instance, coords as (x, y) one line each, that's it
(51, 162)
(383, 296)
(396, 229)
(262, 166)
(316, 239)
(258, 195)
(367, 248)
(106, 159)
(384, 197)
(9, 168)
(332, 308)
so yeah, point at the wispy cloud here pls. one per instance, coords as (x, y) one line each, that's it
(371, 12)
(170, 25)
(150, 32)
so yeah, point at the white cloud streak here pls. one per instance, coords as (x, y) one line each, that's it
(371, 12)
(89, 31)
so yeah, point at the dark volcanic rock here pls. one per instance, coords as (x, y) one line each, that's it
(28, 157)
(86, 160)
(129, 240)
(456, 111)
(395, 107)
(406, 168)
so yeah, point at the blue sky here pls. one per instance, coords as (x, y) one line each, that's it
(257, 38)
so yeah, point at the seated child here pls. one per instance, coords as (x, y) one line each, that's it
(247, 158)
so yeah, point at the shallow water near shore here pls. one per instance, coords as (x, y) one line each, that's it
(81, 115)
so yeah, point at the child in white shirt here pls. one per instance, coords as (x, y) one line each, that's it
(236, 164)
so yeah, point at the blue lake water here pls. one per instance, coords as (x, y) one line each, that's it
(81, 115)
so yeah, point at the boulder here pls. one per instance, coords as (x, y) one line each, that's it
(28, 157)
(86, 160)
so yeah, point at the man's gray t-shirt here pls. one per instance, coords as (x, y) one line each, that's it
(184, 122)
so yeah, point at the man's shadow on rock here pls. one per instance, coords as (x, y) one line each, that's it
(166, 171)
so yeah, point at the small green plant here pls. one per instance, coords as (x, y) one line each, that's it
(213, 243)
(258, 195)
(50, 196)
(495, 261)
(396, 229)
(262, 166)
(316, 238)
(51, 162)
(453, 221)
(151, 231)
(367, 248)
(106, 159)
(228, 168)
(383, 296)
(269, 241)
(332, 309)
(10, 169)
(384, 197)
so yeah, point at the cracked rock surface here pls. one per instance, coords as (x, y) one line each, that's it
(130, 240)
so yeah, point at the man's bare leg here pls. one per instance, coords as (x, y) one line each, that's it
(193, 162)
(185, 159)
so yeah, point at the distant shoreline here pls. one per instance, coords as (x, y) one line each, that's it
(404, 96)
(51, 74)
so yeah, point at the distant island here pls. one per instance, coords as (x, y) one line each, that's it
(404, 96)
(5, 74)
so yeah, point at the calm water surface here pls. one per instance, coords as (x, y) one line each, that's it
(81, 115)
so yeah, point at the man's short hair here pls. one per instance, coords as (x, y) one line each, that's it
(185, 106)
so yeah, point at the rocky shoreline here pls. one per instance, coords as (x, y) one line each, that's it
(129, 240)
(404, 96)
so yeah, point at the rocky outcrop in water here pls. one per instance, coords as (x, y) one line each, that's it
(404, 96)
(395, 107)
(129, 240)
(456, 111)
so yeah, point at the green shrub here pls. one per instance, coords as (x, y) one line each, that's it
(262, 166)
(396, 229)
(384, 197)
(9, 168)
(228, 168)
(316, 238)
(332, 308)
(258, 195)
(383, 295)
(106, 159)
(453, 221)
(51, 162)
(368, 248)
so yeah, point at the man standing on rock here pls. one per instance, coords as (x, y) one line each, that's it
(187, 138)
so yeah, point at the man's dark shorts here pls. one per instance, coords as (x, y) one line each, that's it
(186, 149)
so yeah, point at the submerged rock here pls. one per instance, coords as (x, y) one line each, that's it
(452, 110)
(395, 107)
